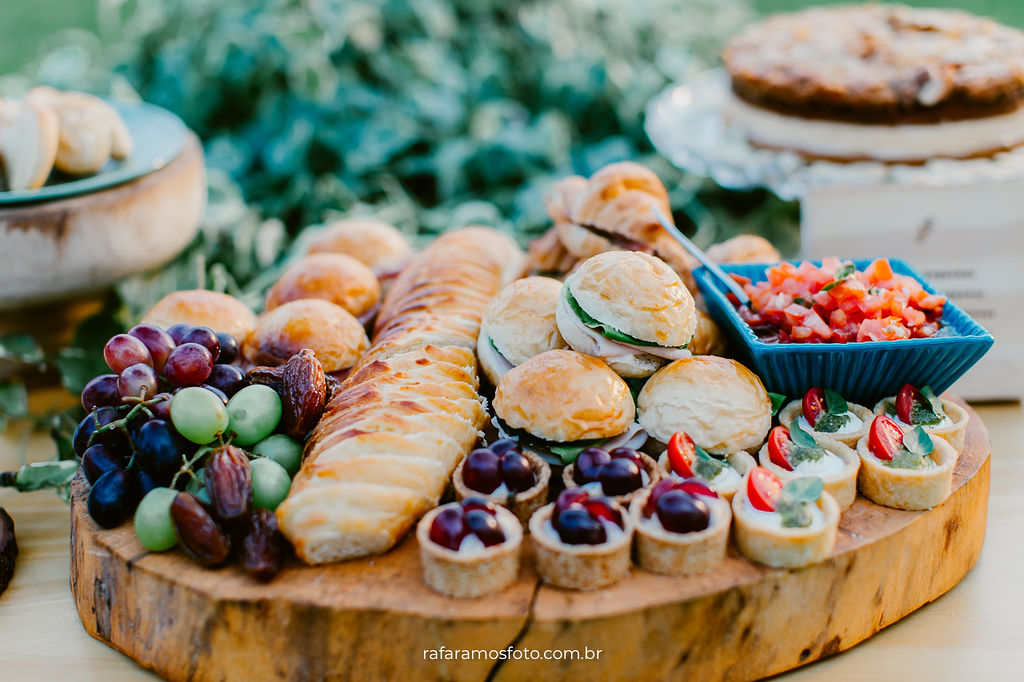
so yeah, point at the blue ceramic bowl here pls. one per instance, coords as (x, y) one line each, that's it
(863, 372)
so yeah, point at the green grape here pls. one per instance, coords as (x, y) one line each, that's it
(153, 524)
(270, 483)
(198, 414)
(283, 449)
(255, 412)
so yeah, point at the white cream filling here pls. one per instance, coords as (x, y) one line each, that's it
(853, 425)
(774, 519)
(910, 142)
(830, 463)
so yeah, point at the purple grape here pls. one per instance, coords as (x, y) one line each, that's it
(93, 421)
(98, 460)
(681, 512)
(217, 392)
(137, 381)
(448, 529)
(157, 341)
(485, 526)
(227, 378)
(162, 408)
(620, 476)
(480, 472)
(188, 365)
(576, 526)
(228, 348)
(112, 498)
(101, 391)
(178, 331)
(516, 472)
(206, 338)
(589, 463)
(505, 444)
(123, 351)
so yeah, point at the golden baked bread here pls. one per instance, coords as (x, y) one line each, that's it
(376, 244)
(744, 248)
(329, 330)
(91, 131)
(708, 338)
(334, 277)
(563, 396)
(720, 403)
(29, 135)
(405, 417)
(518, 324)
(203, 308)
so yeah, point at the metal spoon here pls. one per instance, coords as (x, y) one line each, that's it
(717, 272)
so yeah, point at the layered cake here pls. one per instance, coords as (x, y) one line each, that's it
(879, 82)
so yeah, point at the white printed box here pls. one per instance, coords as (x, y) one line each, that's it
(968, 241)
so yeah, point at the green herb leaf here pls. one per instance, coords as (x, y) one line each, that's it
(801, 437)
(934, 401)
(795, 514)
(603, 329)
(44, 475)
(570, 451)
(804, 489)
(841, 274)
(905, 459)
(830, 423)
(778, 400)
(917, 441)
(707, 466)
(835, 403)
(923, 413)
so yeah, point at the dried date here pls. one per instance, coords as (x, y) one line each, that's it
(265, 376)
(229, 482)
(303, 393)
(200, 535)
(263, 547)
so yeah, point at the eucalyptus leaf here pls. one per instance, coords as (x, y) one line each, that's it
(13, 399)
(41, 475)
(22, 349)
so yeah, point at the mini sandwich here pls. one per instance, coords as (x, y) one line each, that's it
(560, 402)
(629, 309)
(518, 324)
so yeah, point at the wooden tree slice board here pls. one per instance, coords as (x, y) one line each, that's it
(374, 619)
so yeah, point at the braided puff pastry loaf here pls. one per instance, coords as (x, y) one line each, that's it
(408, 413)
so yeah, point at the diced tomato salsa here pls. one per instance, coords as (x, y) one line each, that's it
(835, 303)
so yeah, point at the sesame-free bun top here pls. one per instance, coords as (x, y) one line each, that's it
(520, 320)
(203, 308)
(334, 277)
(331, 332)
(720, 403)
(376, 244)
(563, 396)
(637, 294)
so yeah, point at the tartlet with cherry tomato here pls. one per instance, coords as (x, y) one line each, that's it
(582, 540)
(914, 406)
(469, 548)
(784, 525)
(904, 467)
(506, 474)
(824, 412)
(684, 459)
(682, 527)
(791, 453)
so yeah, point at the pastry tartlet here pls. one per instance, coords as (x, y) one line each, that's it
(507, 475)
(684, 459)
(581, 541)
(794, 453)
(623, 473)
(937, 416)
(784, 526)
(826, 414)
(469, 548)
(904, 473)
(882, 82)
(682, 528)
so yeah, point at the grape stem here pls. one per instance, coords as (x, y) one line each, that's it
(187, 464)
(121, 424)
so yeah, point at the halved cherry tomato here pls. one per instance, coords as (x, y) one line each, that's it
(884, 438)
(779, 444)
(763, 489)
(905, 400)
(681, 454)
(814, 405)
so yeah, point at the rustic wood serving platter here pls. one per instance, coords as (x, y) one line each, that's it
(373, 619)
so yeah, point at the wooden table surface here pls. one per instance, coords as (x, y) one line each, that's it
(976, 628)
